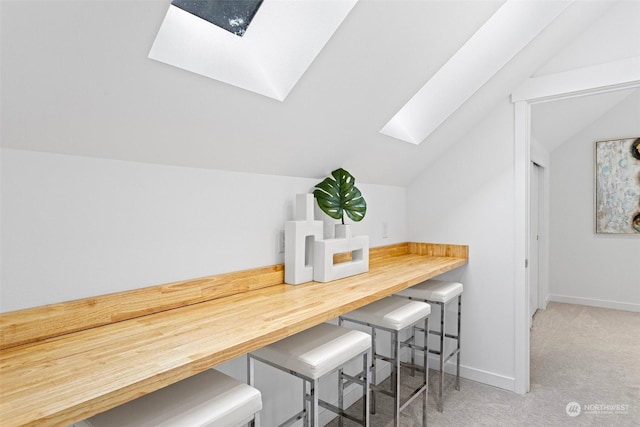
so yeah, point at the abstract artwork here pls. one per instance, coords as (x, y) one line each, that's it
(618, 186)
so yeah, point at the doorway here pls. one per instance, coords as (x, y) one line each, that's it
(543, 89)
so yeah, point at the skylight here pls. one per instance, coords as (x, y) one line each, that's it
(269, 59)
(231, 15)
(505, 34)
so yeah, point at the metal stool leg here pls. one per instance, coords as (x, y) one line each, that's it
(425, 375)
(395, 377)
(366, 369)
(340, 388)
(373, 370)
(340, 395)
(314, 405)
(442, 332)
(458, 340)
(412, 341)
(305, 404)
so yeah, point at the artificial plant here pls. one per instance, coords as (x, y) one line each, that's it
(339, 195)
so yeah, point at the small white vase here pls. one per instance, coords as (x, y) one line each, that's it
(343, 231)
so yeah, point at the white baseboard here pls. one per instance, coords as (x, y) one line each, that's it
(615, 305)
(354, 392)
(474, 374)
(546, 302)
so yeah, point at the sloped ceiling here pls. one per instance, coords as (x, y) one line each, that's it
(75, 79)
(554, 123)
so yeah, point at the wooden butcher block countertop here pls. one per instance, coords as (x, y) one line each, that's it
(65, 362)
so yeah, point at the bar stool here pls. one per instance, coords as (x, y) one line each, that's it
(209, 398)
(441, 293)
(315, 353)
(394, 315)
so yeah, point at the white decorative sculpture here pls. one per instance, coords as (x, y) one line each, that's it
(306, 255)
(299, 238)
(324, 270)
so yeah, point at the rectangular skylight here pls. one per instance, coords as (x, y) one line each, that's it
(284, 39)
(505, 34)
(232, 15)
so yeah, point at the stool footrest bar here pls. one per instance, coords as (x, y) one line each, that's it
(338, 411)
(385, 358)
(414, 346)
(409, 365)
(293, 419)
(413, 396)
(455, 352)
(380, 389)
(353, 380)
(438, 333)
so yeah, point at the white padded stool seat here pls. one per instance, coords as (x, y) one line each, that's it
(210, 398)
(392, 313)
(316, 351)
(433, 290)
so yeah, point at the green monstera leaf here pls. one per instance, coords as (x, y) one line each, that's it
(339, 195)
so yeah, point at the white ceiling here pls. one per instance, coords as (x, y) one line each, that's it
(75, 79)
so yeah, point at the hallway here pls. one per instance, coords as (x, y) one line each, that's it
(581, 354)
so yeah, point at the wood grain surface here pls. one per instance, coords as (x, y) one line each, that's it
(63, 379)
(24, 326)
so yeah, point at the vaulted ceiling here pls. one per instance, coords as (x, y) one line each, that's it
(76, 79)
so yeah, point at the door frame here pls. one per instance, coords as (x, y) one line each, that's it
(536, 182)
(602, 78)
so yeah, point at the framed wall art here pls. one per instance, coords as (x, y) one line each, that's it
(617, 186)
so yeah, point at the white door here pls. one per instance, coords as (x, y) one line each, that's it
(534, 239)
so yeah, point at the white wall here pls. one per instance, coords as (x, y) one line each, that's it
(74, 227)
(585, 267)
(466, 196)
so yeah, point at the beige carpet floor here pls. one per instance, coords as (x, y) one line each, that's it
(586, 355)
